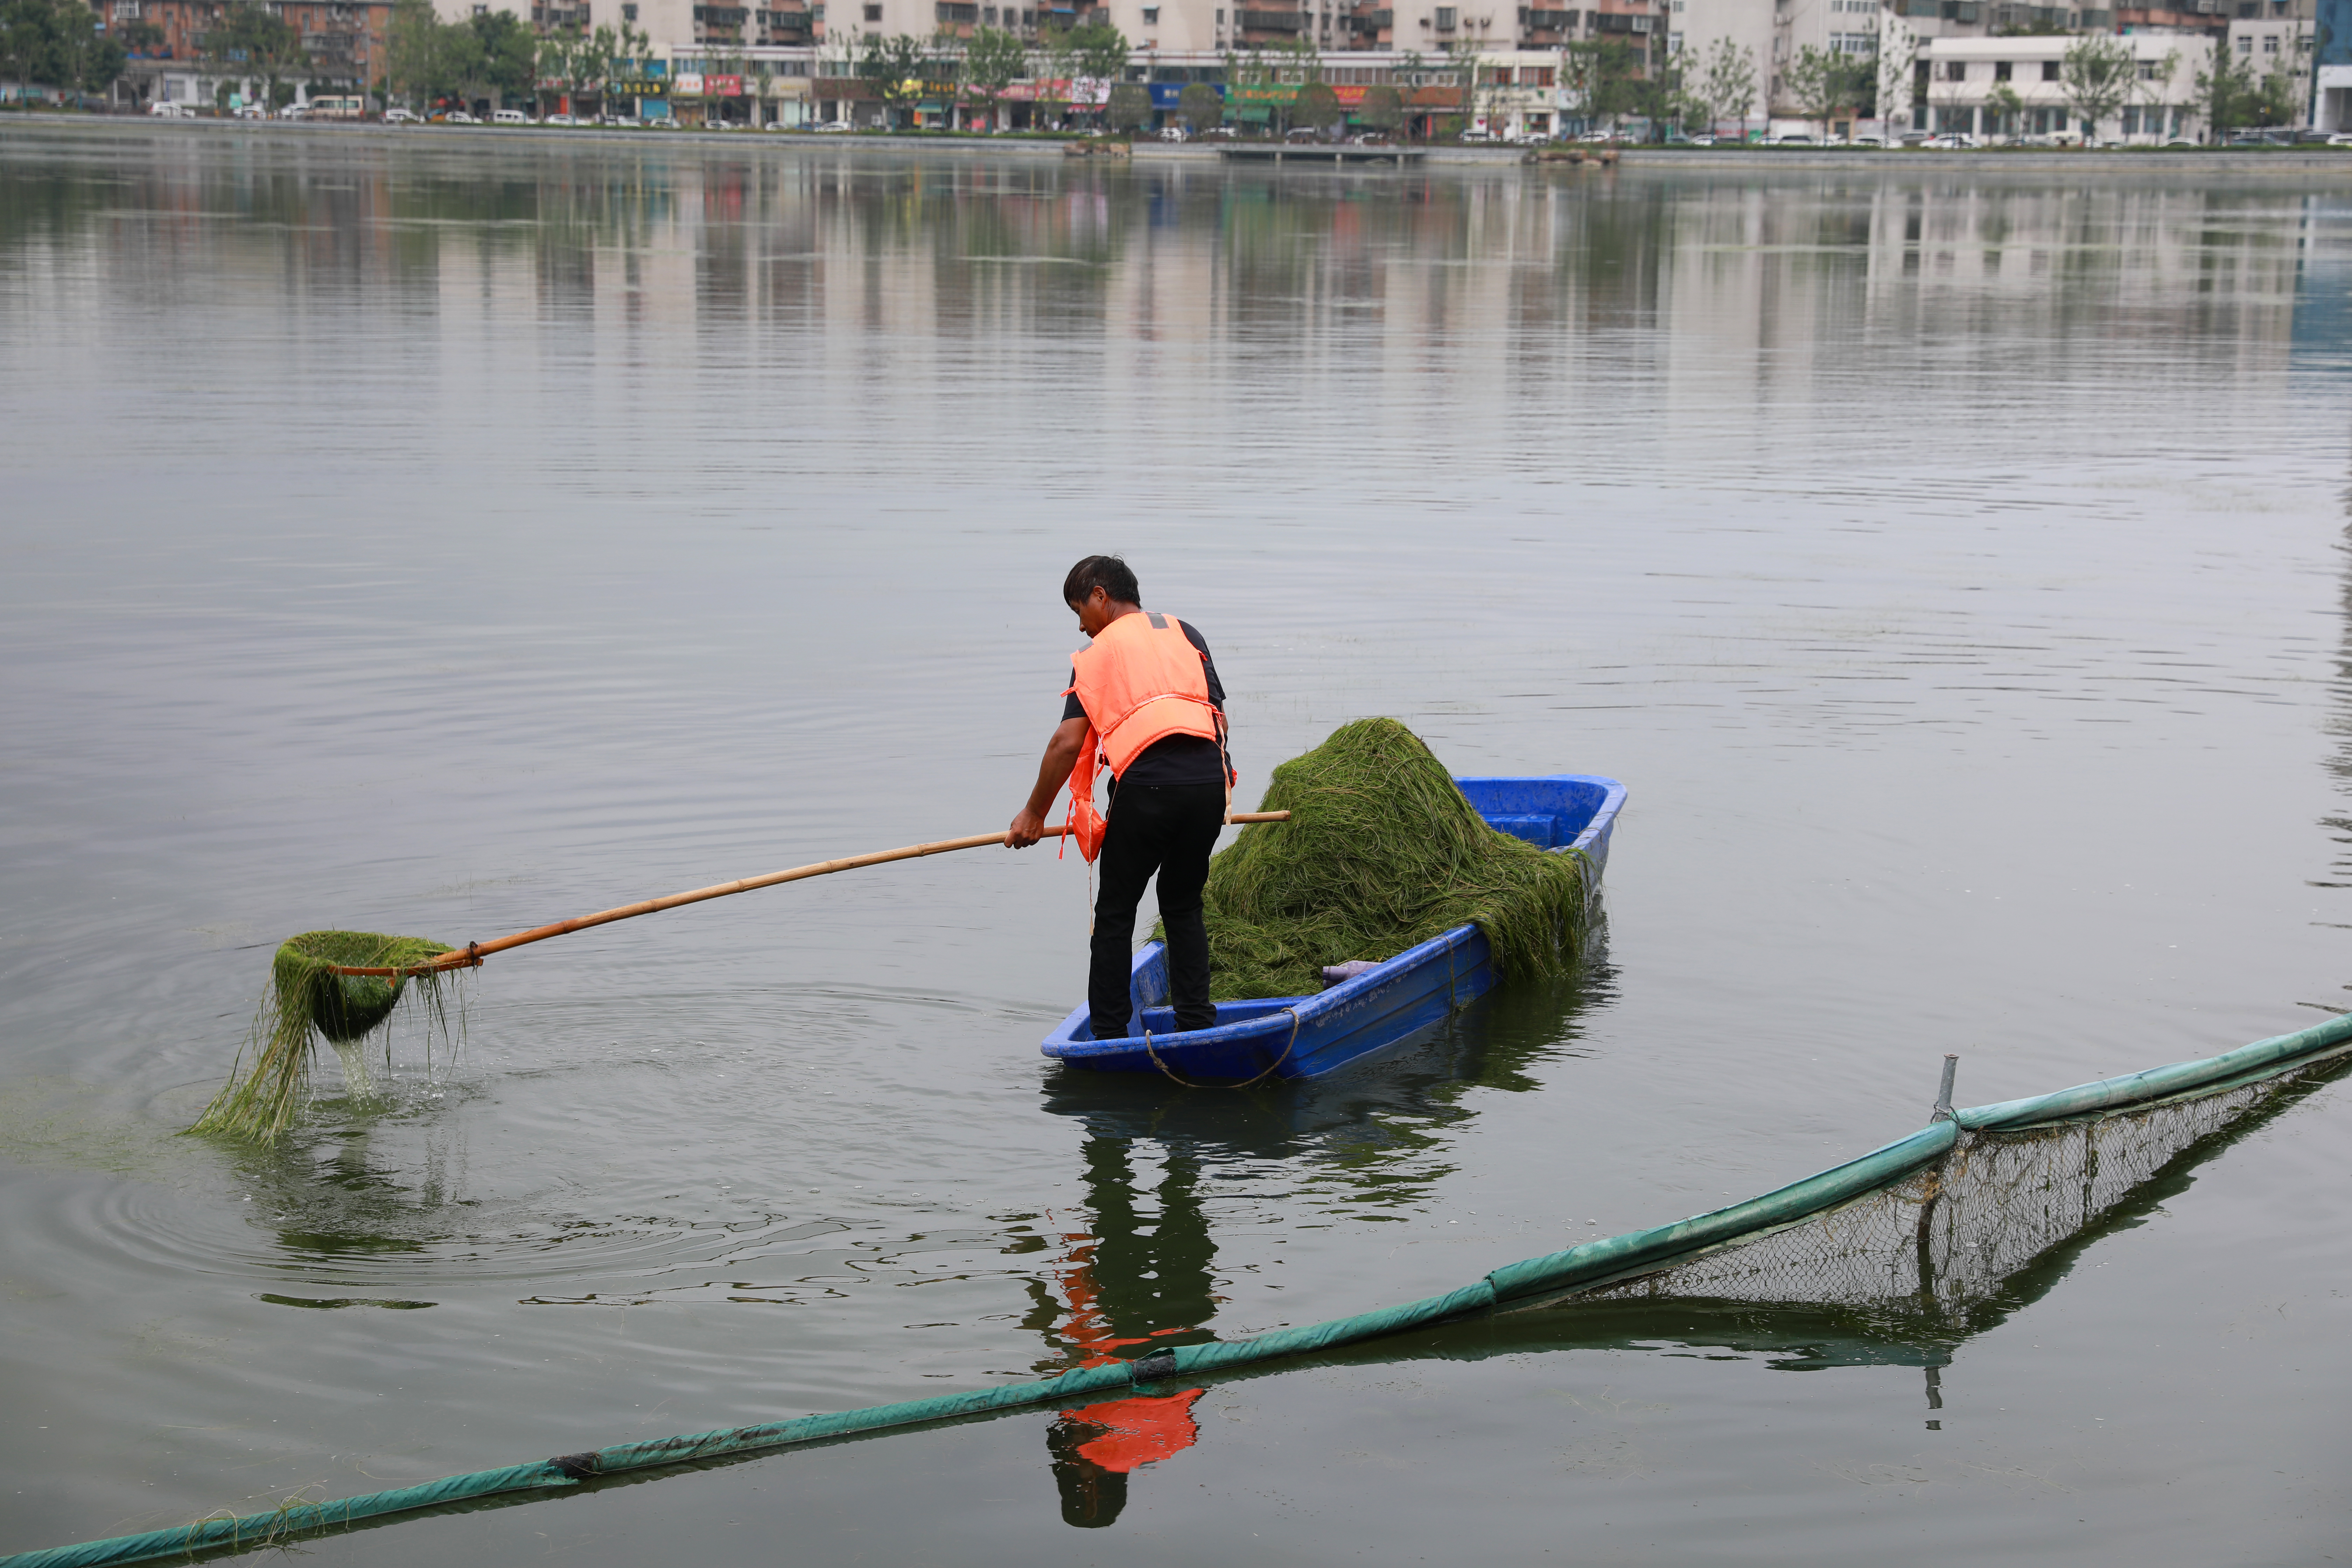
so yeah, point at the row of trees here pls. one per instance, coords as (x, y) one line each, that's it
(983, 68)
(57, 44)
(496, 55)
(901, 68)
(2098, 77)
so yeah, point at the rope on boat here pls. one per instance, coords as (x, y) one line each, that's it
(1529, 1283)
(1246, 1083)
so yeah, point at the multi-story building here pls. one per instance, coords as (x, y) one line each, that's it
(2332, 65)
(2268, 36)
(1964, 85)
(176, 62)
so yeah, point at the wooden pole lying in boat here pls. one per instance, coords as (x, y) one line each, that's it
(471, 956)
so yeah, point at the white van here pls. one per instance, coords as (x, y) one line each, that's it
(510, 117)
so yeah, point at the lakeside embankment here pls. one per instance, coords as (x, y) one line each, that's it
(2322, 164)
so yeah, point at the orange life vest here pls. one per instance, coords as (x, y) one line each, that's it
(1141, 681)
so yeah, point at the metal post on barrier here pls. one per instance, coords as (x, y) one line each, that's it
(1944, 1094)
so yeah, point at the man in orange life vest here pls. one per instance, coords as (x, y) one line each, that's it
(1146, 697)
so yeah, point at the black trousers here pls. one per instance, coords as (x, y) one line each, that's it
(1169, 829)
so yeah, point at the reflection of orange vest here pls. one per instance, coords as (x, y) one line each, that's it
(1141, 681)
(1140, 1430)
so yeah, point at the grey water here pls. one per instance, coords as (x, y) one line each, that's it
(446, 534)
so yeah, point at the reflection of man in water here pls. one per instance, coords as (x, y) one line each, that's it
(1136, 1285)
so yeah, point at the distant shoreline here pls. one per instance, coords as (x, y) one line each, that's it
(2329, 165)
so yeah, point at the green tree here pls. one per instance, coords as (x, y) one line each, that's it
(1727, 83)
(2007, 109)
(993, 60)
(249, 38)
(1129, 106)
(1383, 110)
(1317, 107)
(414, 47)
(1898, 59)
(2151, 85)
(2096, 77)
(893, 68)
(1097, 51)
(1200, 107)
(2226, 92)
(2284, 89)
(501, 56)
(1820, 84)
(1602, 74)
(57, 44)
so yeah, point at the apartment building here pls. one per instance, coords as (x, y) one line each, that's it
(342, 44)
(1963, 85)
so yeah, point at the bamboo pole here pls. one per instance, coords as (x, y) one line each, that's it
(471, 956)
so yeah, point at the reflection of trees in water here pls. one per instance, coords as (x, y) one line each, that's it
(1523, 277)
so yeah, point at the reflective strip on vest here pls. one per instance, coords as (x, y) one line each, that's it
(1141, 682)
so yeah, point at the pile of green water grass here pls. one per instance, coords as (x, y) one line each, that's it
(270, 1082)
(1381, 851)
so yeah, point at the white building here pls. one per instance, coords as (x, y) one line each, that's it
(1964, 78)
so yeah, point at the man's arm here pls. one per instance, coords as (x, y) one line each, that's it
(1053, 773)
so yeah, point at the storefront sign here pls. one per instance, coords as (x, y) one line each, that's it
(687, 84)
(722, 87)
(639, 89)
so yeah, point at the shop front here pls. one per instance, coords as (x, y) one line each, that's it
(640, 99)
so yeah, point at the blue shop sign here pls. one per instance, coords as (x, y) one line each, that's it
(1165, 94)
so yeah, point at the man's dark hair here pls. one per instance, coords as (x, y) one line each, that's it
(1108, 572)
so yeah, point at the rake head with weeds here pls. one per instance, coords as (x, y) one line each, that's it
(310, 994)
(345, 983)
(1381, 850)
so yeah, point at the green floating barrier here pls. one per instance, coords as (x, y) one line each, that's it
(1591, 1266)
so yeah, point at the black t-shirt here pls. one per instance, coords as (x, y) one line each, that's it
(1171, 759)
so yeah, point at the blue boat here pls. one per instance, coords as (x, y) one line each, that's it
(1306, 1037)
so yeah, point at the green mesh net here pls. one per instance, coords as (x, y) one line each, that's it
(1381, 851)
(271, 1082)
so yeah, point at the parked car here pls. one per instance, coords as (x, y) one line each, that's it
(1370, 139)
(457, 117)
(163, 111)
(402, 117)
(510, 117)
(1473, 138)
(833, 126)
(1704, 138)
(1223, 133)
(292, 111)
(1174, 134)
(1953, 142)
(559, 120)
(1797, 139)
(1866, 141)
(2341, 139)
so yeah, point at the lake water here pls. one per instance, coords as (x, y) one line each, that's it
(447, 534)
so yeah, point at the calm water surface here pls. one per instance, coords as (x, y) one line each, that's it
(402, 536)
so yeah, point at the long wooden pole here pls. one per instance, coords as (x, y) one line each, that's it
(471, 956)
